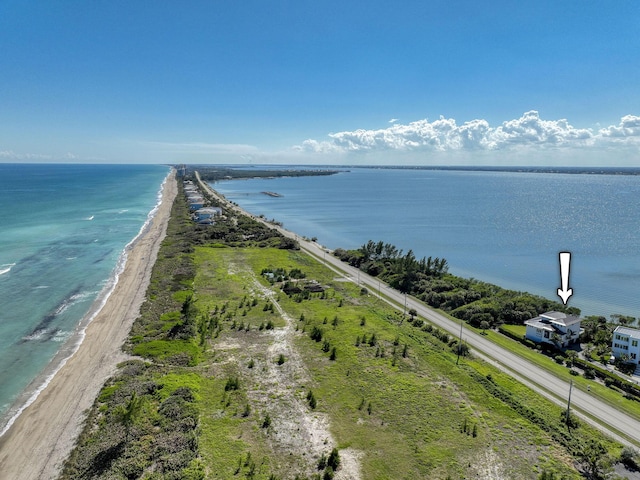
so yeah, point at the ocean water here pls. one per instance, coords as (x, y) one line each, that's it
(64, 230)
(506, 228)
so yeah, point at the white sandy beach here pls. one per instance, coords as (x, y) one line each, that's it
(39, 441)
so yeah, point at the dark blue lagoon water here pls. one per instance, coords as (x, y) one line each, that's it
(63, 235)
(506, 228)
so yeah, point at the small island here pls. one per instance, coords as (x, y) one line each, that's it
(216, 173)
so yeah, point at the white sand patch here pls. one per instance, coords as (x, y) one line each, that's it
(295, 428)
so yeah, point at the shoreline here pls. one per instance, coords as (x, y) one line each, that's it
(52, 418)
(493, 252)
(74, 341)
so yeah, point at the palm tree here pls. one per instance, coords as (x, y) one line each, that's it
(571, 357)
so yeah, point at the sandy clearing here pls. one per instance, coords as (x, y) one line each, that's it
(296, 431)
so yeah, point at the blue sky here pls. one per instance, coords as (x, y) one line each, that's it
(413, 82)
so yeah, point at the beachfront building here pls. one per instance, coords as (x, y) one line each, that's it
(196, 202)
(625, 344)
(206, 213)
(554, 328)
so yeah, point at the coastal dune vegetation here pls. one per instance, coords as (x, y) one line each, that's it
(252, 360)
(428, 279)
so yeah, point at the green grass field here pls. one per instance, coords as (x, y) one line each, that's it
(417, 415)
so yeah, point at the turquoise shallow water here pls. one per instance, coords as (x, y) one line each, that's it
(503, 227)
(64, 229)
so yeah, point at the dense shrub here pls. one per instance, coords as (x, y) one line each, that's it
(428, 279)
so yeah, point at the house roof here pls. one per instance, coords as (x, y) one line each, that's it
(536, 323)
(632, 332)
(560, 318)
(209, 210)
(550, 320)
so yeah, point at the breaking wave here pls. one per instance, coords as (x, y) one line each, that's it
(6, 268)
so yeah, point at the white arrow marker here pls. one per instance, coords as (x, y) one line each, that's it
(564, 292)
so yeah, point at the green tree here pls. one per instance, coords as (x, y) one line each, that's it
(311, 398)
(266, 423)
(126, 414)
(623, 319)
(188, 310)
(629, 456)
(328, 474)
(316, 334)
(572, 355)
(595, 459)
(334, 459)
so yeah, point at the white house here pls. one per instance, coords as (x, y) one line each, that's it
(207, 213)
(196, 203)
(554, 328)
(626, 341)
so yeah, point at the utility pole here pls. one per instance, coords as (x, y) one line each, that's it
(459, 344)
(569, 402)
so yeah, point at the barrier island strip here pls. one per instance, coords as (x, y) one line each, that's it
(250, 359)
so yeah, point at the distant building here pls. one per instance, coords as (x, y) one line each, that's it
(207, 213)
(554, 328)
(626, 341)
(195, 205)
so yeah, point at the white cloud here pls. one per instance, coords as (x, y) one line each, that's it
(69, 157)
(529, 132)
(11, 155)
(629, 126)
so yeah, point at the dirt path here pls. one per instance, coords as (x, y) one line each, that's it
(298, 434)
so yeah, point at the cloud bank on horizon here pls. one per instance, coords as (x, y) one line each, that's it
(526, 141)
(528, 132)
